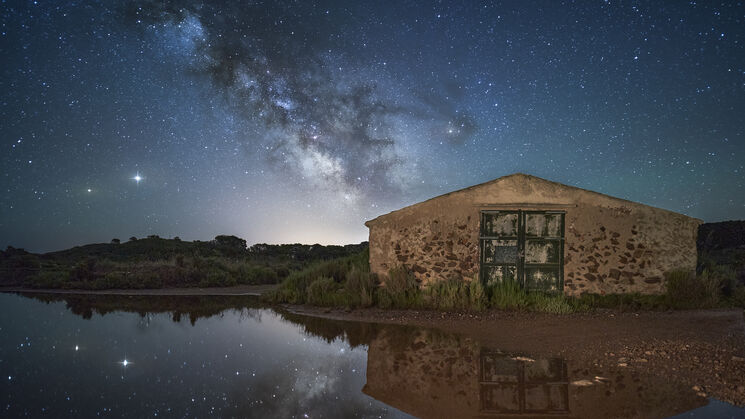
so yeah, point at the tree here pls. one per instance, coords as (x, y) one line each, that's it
(115, 241)
(133, 239)
(230, 245)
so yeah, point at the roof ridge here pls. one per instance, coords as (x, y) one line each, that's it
(520, 174)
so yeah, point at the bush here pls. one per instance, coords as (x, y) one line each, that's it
(47, 279)
(400, 290)
(322, 292)
(360, 288)
(737, 298)
(685, 290)
(451, 294)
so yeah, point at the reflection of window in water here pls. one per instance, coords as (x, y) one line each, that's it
(515, 386)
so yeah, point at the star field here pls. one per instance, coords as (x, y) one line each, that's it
(296, 122)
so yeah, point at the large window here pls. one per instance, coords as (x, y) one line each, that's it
(526, 247)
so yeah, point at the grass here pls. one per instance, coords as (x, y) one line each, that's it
(347, 282)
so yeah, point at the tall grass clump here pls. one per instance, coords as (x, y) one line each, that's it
(451, 294)
(401, 290)
(360, 287)
(351, 275)
(507, 295)
(686, 290)
(323, 292)
(550, 303)
(477, 299)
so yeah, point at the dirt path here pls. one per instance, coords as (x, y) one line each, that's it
(705, 349)
(237, 290)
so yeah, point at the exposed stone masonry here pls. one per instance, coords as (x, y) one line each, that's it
(611, 245)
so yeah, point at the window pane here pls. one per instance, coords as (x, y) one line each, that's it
(545, 279)
(542, 251)
(499, 368)
(500, 251)
(547, 398)
(500, 224)
(546, 370)
(500, 398)
(499, 274)
(543, 225)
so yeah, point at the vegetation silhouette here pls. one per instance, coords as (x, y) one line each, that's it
(155, 262)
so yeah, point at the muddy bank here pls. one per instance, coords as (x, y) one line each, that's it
(703, 349)
(237, 290)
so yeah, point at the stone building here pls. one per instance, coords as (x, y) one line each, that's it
(543, 234)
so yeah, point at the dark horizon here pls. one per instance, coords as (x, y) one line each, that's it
(296, 123)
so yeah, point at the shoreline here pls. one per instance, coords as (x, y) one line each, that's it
(252, 290)
(704, 349)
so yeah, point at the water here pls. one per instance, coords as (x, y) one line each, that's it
(118, 356)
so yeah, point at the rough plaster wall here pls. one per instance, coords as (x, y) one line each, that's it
(625, 249)
(612, 245)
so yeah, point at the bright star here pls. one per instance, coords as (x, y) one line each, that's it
(125, 363)
(137, 178)
(89, 190)
(77, 347)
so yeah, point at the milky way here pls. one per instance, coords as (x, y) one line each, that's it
(298, 121)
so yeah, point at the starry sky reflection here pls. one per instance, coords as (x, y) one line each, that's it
(247, 363)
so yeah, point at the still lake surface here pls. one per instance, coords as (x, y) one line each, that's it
(230, 356)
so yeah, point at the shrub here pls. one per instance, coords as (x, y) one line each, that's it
(360, 287)
(686, 290)
(47, 279)
(451, 294)
(400, 290)
(322, 292)
(737, 298)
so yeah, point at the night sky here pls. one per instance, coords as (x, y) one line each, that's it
(298, 121)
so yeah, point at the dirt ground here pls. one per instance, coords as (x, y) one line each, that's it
(704, 349)
(237, 290)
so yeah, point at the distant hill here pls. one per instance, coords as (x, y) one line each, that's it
(722, 235)
(155, 262)
(723, 244)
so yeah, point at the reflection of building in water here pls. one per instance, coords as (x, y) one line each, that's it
(430, 374)
(514, 385)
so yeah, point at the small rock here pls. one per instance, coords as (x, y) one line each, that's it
(697, 389)
(641, 360)
(738, 358)
(623, 364)
(701, 394)
(622, 360)
(648, 353)
(741, 389)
